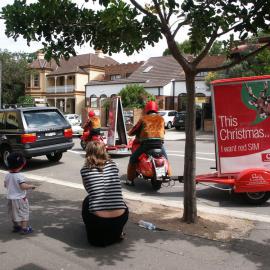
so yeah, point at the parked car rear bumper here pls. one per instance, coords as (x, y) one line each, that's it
(44, 150)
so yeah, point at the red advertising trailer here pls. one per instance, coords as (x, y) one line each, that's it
(241, 110)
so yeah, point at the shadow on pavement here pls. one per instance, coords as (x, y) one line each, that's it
(60, 219)
(30, 266)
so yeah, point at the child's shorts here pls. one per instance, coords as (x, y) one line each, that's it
(18, 209)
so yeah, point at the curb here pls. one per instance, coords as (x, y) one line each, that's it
(201, 208)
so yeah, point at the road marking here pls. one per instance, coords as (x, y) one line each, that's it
(141, 197)
(75, 152)
(201, 158)
(200, 153)
(176, 155)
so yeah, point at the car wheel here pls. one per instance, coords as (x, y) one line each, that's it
(5, 152)
(169, 125)
(54, 157)
(256, 198)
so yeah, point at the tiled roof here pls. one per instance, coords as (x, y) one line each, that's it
(212, 61)
(159, 71)
(75, 64)
(164, 69)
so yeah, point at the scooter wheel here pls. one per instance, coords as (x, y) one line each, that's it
(83, 144)
(156, 185)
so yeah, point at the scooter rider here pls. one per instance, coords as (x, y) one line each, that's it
(149, 131)
(92, 125)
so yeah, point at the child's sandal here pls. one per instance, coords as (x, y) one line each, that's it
(16, 228)
(26, 230)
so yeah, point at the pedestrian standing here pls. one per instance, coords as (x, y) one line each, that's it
(15, 183)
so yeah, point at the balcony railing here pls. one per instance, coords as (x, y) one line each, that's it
(60, 89)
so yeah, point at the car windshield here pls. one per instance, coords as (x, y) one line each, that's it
(40, 119)
(161, 113)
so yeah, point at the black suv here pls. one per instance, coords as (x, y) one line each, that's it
(34, 131)
(179, 120)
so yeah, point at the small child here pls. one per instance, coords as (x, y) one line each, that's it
(18, 206)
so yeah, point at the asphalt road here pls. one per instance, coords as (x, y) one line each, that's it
(68, 170)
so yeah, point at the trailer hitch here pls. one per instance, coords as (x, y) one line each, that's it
(179, 178)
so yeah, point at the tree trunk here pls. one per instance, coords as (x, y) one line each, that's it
(190, 205)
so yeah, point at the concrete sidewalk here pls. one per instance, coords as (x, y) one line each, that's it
(177, 135)
(59, 242)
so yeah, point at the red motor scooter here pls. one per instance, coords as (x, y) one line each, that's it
(153, 166)
(85, 139)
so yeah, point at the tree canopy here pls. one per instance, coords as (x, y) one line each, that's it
(134, 96)
(25, 101)
(218, 48)
(119, 26)
(14, 69)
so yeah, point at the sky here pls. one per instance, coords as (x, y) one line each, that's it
(21, 46)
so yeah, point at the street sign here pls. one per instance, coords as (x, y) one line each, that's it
(117, 134)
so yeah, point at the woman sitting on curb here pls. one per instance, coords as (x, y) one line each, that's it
(104, 211)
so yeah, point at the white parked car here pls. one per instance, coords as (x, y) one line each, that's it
(168, 116)
(77, 130)
(73, 119)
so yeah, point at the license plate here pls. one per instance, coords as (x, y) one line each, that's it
(160, 171)
(50, 134)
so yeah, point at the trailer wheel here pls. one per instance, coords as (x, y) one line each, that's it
(256, 198)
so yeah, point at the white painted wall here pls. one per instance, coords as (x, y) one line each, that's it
(153, 90)
(180, 87)
(167, 90)
(80, 81)
(108, 90)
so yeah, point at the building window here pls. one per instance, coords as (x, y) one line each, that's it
(93, 101)
(182, 102)
(28, 80)
(62, 80)
(36, 80)
(115, 77)
(202, 74)
(147, 69)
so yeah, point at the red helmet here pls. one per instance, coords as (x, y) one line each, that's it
(151, 106)
(91, 114)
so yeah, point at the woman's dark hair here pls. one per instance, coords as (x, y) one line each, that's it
(96, 155)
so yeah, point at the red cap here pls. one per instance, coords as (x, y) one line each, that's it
(151, 106)
(91, 114)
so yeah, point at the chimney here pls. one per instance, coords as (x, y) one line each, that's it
(40, 54)
(99, 53)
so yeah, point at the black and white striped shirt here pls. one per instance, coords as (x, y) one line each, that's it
(104, 188)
